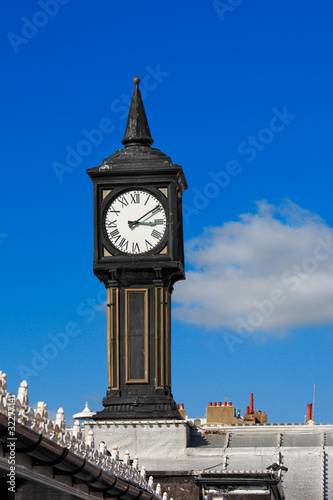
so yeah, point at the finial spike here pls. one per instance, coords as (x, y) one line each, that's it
(137, 131)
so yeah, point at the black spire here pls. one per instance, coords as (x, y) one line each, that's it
(137, 131)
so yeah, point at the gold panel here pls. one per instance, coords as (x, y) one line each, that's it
(130, 380)
(164, 250)
(106, 253)
(113, 337)
(105, 192)
(164, 191)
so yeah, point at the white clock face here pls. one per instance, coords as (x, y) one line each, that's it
(135, 222)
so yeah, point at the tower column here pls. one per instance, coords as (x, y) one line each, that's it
(162, 337)
(113, 338)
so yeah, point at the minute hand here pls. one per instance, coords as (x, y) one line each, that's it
(143, 223)
(134, 223)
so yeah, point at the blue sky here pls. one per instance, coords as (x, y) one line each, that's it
(240, 94)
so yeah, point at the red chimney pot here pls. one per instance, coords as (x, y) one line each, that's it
(309, 411)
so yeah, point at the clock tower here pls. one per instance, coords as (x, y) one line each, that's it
(138, 255)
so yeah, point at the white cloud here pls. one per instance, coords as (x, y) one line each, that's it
(270, 271)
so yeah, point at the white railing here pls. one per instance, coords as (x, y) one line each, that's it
(72, 439)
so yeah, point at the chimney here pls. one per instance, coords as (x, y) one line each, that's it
(309, 411)
(221, 414)
(251, 402)
(182, 411)
(247, 410)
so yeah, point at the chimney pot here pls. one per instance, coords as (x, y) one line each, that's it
(309, 411)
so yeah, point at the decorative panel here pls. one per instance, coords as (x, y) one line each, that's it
(136, 336)
(113, 337)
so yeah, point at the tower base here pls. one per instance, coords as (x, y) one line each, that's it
(138, 408)
(150, 440)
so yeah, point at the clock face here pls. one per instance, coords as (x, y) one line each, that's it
(135, 222)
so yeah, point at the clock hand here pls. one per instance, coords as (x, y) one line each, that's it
(136, 222)
(131, 223)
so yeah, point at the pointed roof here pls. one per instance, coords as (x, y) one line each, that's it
(137, 131)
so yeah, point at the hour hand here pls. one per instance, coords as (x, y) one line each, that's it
(132, 223)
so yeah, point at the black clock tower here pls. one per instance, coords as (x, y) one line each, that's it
(138, 255)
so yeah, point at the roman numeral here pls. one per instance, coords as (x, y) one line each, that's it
(123, 201)
(114, 233)
(159, 221)
(148, 245)
(111, 209)
(156, 234)
(111, 223)
(123, 244)
(135, 198)
(147, 199)
(135, 248)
